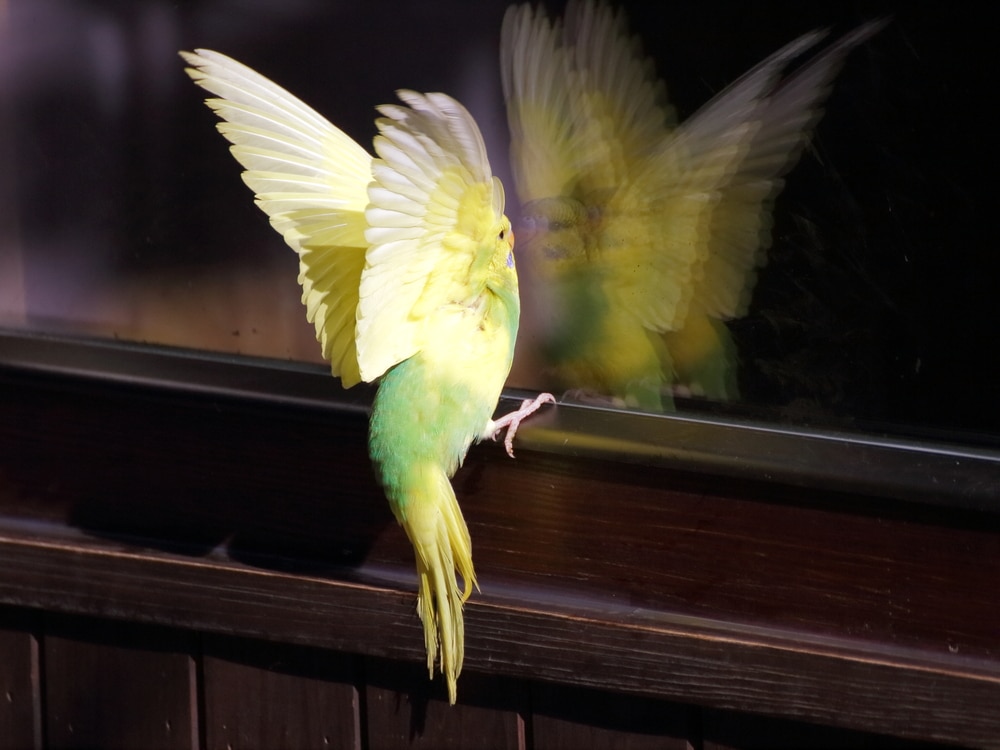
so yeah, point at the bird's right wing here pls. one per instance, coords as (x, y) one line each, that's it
(311, 179)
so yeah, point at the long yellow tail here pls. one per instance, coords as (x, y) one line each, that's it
(434, 523)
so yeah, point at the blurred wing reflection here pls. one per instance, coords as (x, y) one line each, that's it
(645, 234)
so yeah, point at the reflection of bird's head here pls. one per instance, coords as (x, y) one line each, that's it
(553, 233)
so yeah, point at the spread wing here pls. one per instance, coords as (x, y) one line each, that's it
(694, 214)
(736, 149)
(534, 69)
(434, 215)
(311, 179)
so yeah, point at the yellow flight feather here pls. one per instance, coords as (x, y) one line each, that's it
(433, 216)
(311, 179)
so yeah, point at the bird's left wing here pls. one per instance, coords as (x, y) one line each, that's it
(433, 217)
(535, 71)
(621, 105)
(737, 148)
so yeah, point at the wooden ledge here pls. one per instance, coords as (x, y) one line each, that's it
(222, 510)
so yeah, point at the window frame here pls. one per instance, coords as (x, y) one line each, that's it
(936, 472)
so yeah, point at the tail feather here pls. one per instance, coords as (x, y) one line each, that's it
(433, 521)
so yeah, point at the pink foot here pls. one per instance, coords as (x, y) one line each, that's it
(513, 420)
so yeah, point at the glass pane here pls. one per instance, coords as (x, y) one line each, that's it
(123, 215)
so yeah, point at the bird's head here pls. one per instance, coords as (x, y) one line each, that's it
(502, 266)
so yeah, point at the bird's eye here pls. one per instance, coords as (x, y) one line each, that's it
(503, 233)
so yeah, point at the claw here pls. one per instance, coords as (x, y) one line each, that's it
(513, 420)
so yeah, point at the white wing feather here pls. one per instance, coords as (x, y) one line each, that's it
(311, 179)
(432, 206)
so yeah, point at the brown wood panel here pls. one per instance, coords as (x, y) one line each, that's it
(20, 704)
(406, 710)
(272, 696)
(571, 640)
(193, 474)
(776, 556)
(118, 685)
(569, 717)
(725, 730)
(742, 595)
(822, 563)
(684, 660)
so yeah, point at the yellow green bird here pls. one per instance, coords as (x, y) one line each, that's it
(407, 271)
(646, 234)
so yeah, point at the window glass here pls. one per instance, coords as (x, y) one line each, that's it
(873, 307)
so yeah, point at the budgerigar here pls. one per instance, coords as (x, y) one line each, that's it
(407, 272)
(645, 234)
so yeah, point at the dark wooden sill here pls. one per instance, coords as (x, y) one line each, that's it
(842, 581)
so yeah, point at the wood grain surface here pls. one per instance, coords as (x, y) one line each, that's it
(669, 597)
